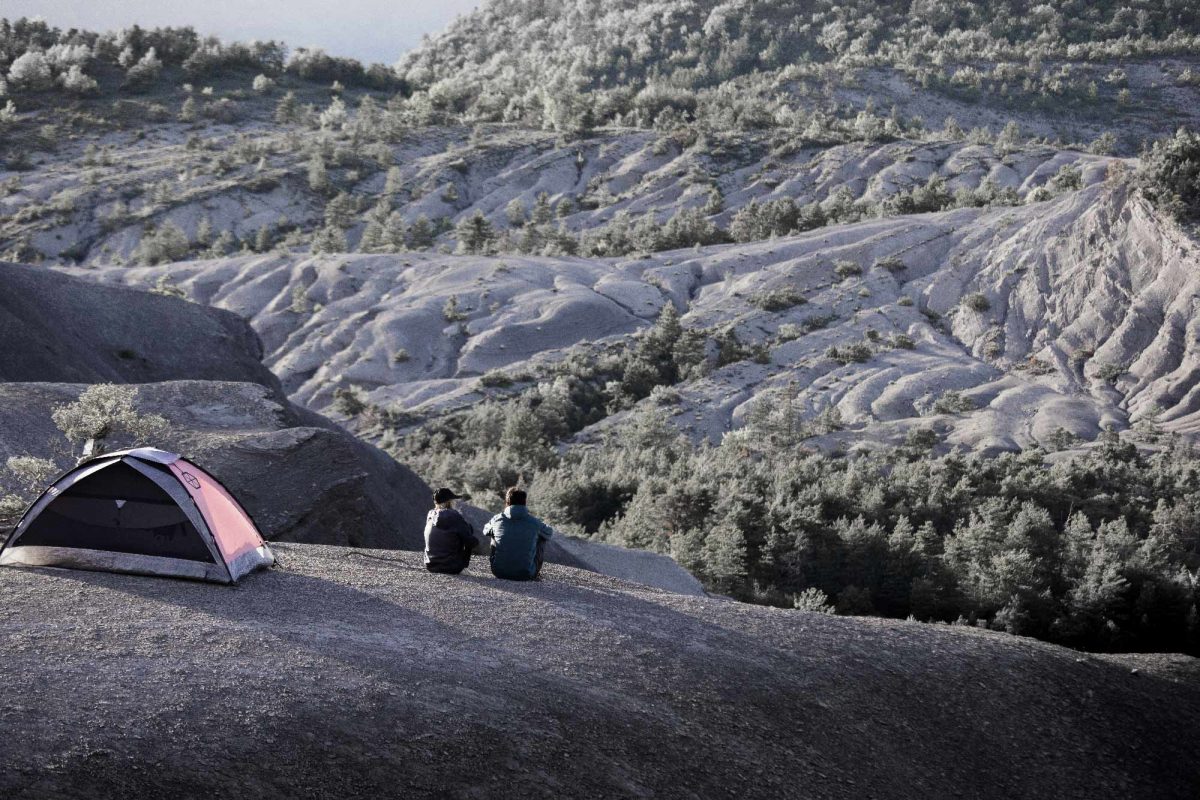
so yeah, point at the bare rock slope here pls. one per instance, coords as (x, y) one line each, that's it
(1045, 320)
(354, 674)
(56, 329)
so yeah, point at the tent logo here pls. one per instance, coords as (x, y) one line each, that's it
(190, 480)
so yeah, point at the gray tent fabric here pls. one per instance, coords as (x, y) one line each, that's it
(142, 511)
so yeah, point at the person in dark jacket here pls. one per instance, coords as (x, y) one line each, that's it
(518, 539)
(449, 539)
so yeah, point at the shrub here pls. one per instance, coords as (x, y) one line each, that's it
(846, 269)
(977, 301)
(855, 352)
(953, 402)
(495, 379)
(778, 299)
(106, 411)
(349, 401)
(451, 311)
(813, 599)
(166, 244)
(891, 264)
(30, 71)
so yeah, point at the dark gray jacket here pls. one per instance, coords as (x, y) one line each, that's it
(449, 540)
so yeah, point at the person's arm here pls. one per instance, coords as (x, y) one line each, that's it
(466, 533)
(545, 531)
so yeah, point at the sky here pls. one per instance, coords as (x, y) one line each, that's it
(369, 30)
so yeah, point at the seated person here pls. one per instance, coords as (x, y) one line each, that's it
(449, 539)
(518, 539)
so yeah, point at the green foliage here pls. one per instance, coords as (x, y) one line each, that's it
(104, 412)
(474, 233)
(813, 599)
(451, 311)
(164, 287)
(742, 66)
(1109, 372)
(349, 401)
(846, 269)
(162, 245)
(953, 402)
(891, 264)
(1169, 175)
(853, 353)
(977, 301)
(778, 299)
(495, 379)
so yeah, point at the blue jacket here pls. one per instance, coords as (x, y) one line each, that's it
(516, 538)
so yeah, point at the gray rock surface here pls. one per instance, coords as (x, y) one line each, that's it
(300, 477)
(58, 329)
(636, 566)
(343, 675)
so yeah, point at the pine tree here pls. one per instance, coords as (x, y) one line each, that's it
(715, 203)
(420, 233)
(263, 240)
(394, 182)
(262, 84)
(396, 232)
(374, 238)
(329, 239)
(339, 212)
(334, 117)
(189, 112)
(204, 231)
(145, 71)
(952, 130)
(541, 209)
(31, 71)
(225, 244)
(474, 234)
(318, 177)
(725, 556)
(514, 212)
(286, 110)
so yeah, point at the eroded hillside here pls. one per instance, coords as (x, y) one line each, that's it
(1002, 328)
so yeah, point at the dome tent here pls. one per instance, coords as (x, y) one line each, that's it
(141, 511)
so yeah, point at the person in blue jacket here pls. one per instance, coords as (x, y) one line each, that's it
(449, 538)
(518, 539)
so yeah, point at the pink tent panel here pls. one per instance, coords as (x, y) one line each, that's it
(231, 525)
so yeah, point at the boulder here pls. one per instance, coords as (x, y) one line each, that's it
(55, 328)
(299, 476)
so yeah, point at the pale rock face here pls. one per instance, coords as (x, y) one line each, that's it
(1085, 320)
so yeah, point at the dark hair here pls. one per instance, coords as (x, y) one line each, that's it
(514, 497)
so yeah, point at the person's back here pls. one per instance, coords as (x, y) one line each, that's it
(518, 539)
(449, 538)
